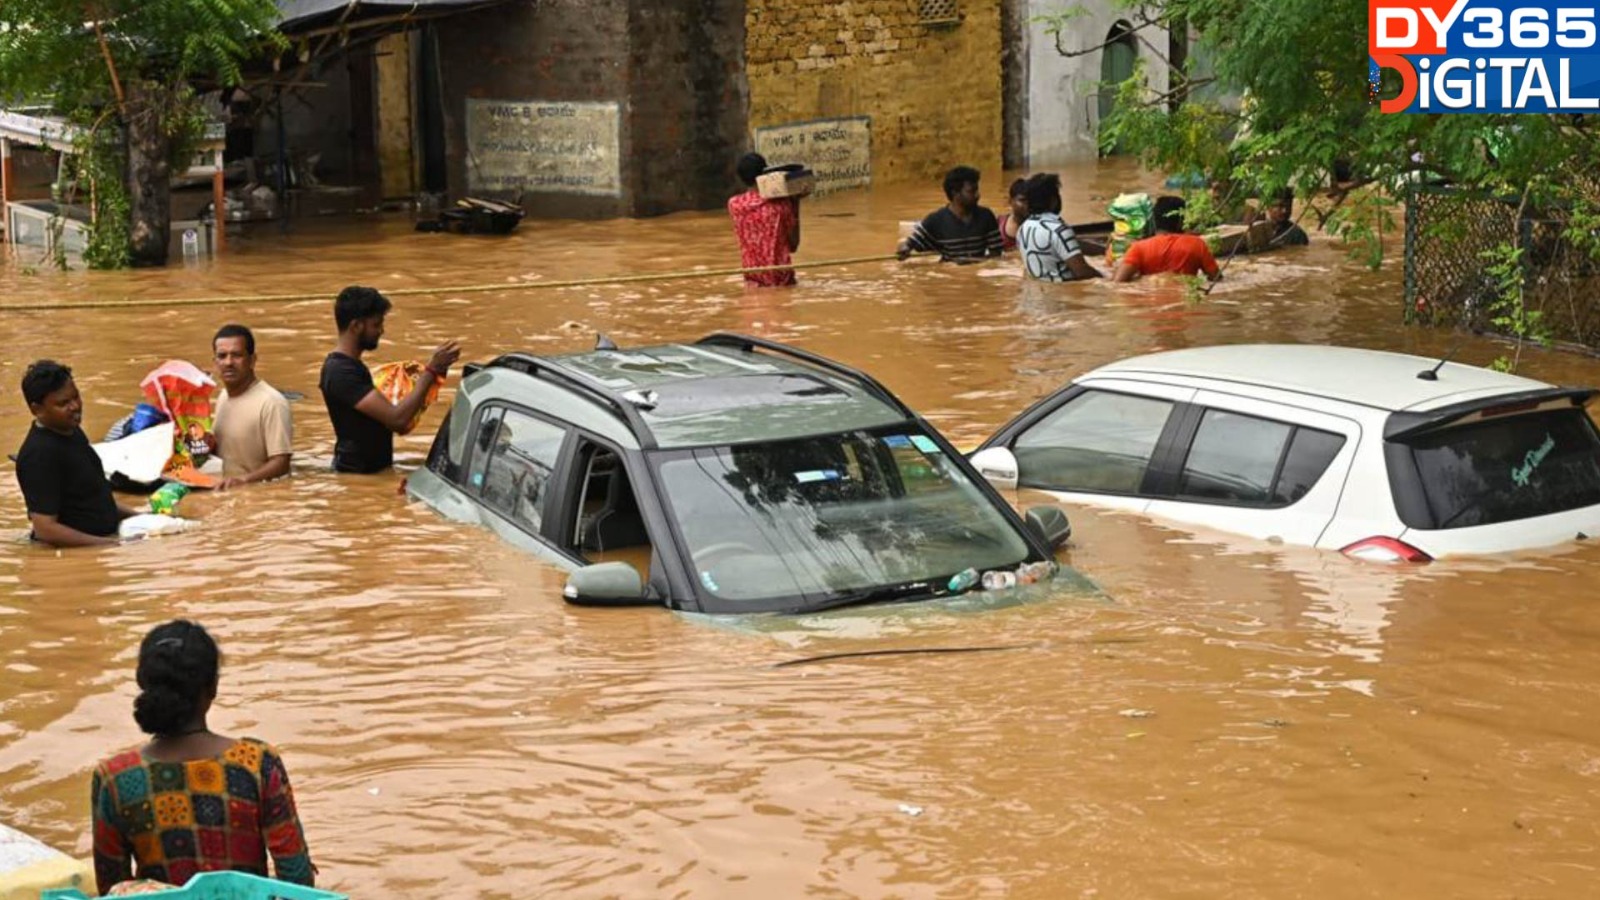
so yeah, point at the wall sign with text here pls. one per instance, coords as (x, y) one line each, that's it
(551, 147)
(838, 151)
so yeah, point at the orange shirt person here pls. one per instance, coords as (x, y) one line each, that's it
(1170, 250)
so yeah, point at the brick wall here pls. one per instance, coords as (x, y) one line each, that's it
(933, 91)
(675, 67)
(568, 50)
(686, 105)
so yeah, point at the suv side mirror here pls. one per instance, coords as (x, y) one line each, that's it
(606, 584)
(1049, 524)
(997, 465)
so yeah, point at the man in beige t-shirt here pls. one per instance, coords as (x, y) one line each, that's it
(253, 429)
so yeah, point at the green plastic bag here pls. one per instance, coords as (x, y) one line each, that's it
(1130, 218)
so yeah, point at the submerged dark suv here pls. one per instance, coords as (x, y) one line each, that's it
(729, 475)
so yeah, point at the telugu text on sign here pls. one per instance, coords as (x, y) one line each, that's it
(839, 151)
(544, 147)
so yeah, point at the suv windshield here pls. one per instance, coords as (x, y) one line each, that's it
(1505, 469)
(826, 520)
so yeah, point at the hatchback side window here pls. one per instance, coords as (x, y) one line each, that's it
(1097, 441)
(1310, 454)
(524, 453)
(1233, 458)
(1250, 461)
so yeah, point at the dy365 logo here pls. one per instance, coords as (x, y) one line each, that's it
(1484, 55)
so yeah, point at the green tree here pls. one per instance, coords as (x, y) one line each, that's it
(124, 70)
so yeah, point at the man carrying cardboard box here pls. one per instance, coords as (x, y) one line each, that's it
(768, 229)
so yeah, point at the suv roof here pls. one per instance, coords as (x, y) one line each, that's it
(1373, 378)
(719, 390)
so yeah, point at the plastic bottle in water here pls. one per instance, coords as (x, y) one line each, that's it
(1035, 572)
(999, 580)
(963, 580)
(165, 499)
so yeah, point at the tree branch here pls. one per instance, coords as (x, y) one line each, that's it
(1180, 89)
(111, 66)
(1339, 195)
(1145, 22)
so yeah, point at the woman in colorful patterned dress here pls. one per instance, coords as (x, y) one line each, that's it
(191, 801)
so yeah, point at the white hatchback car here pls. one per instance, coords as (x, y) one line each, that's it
(1380, 455)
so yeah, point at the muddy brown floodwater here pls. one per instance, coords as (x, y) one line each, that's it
(1320, 728)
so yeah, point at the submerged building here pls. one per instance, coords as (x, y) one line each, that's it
(639, 107)
(602, 108)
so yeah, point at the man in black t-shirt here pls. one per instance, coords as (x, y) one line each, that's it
(62, 479)
(364, 421)
(961, 230)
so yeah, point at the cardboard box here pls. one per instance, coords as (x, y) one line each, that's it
(785, 181)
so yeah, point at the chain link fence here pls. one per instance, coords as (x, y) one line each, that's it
(1447, 278)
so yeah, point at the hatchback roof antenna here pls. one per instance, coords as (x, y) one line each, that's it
(1433, 373)
(601, 342)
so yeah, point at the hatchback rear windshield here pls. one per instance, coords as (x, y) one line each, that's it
(1505, 469)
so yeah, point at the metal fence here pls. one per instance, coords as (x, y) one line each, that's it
(1447, 281)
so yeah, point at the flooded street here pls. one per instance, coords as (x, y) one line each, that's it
(1230, 719)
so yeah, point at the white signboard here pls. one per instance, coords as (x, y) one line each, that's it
(839, 151)
(551, 147)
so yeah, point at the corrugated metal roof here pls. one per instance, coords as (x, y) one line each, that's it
(294, 12)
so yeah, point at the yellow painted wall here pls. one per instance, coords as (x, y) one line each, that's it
(392, 85)
(932, 91)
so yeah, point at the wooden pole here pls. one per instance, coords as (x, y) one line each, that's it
(219, 209)
(5, 185)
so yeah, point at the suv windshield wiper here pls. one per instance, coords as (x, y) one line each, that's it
(881, 594)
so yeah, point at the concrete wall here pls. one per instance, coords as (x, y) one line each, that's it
(1014, 93)
(1062, 118)
(573, 50)
(674, 67)
(933, 92)
(392, 84)
(686, 104)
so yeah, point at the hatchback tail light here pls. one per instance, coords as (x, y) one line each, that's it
(1385, 549)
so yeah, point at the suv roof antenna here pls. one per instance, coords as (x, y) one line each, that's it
(1433, 373)
(601, 342)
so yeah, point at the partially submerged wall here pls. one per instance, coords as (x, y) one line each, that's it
(595, 107)
(931, 89)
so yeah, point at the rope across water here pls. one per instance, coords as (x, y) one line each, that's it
(221, 300)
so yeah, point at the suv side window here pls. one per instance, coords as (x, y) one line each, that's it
(488, 423)
(1097, 441)
(450, 444)
(1250, 461)
(519, 463)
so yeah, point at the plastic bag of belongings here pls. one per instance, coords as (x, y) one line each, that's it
(1132, 216)
(396, 380)
(166, 438)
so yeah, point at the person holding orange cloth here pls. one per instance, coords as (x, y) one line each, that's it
(1169, 250)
